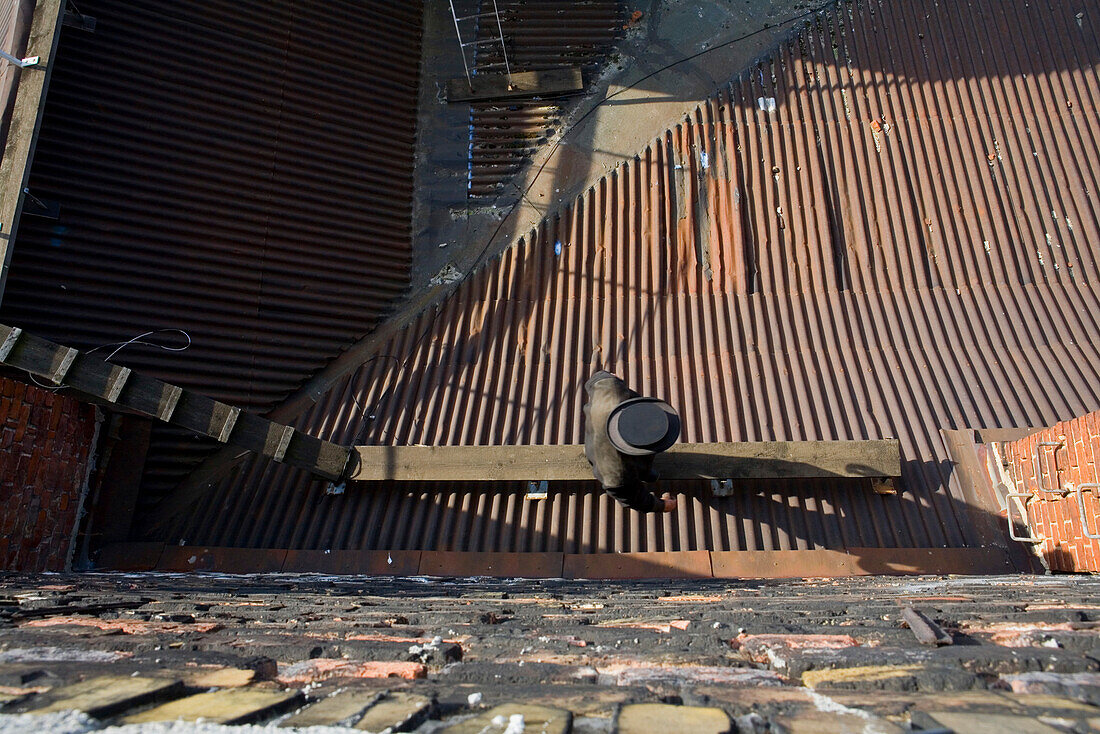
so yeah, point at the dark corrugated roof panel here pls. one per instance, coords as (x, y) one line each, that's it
(908, 243)
(238, 170)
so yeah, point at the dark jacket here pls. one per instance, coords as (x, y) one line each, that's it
(620, 474)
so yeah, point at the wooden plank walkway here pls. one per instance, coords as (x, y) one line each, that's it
(546, 83)
(757, 460)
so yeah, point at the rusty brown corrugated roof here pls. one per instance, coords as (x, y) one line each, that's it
(907, 244)
(238, 170)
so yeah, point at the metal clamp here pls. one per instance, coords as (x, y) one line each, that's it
(721, 487)
(1027, 497)
(1095, 487)
(21, 63)
(1055, 445)
(537, 490)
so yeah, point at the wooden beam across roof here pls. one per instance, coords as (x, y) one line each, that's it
(755, 460)
(116, 385)
(519, 85)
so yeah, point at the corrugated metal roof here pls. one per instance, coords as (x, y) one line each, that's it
(907, 244)
(239, 170)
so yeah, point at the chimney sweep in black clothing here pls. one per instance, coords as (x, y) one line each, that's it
(623, 432)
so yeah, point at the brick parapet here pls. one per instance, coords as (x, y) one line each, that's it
(46, 446)
(1061, 459)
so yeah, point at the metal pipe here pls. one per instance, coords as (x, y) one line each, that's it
(461, 47)
(500, 30)
(30, 60)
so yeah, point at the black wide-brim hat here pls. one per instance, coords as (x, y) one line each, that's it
(643, 426)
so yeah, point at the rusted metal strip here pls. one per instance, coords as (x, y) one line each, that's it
(221, 560)
(682, 564)
(685, 564)
(129, 556)
(501, 565)
(372, 563)
(924, 629)
(860, 562)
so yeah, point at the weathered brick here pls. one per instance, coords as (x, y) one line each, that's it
(399, 711)
(44, 450)
(126, 626)
(104, 696)
(658, 718)
(312, 671)
(231, 706)
(1058, 519)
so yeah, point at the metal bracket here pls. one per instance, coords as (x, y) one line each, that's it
(9, 342)
(721, 487)
(35, 207)
(63, 367)
(1027, 497)
(1055, 445)
(1095, 487)
(21, 63)
(884, 486)
(537, 490)
(73, 19)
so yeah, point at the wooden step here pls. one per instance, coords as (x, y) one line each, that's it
(120, 387)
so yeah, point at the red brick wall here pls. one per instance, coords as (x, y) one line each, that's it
(1053, 517)
(45, 448)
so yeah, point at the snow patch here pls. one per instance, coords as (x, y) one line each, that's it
(75, 722)
(64, 722)
(829, 706)
(425, 651)
(59, 655)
